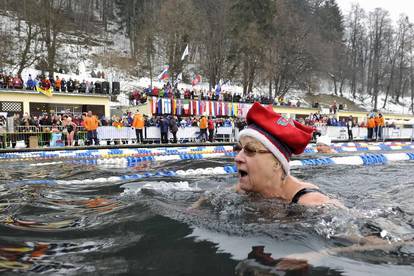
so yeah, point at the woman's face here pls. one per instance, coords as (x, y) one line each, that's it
(322, 148)
(256, 166)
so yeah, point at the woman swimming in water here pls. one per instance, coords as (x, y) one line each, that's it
(263, 153)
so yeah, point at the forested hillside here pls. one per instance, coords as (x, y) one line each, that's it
(277, 44)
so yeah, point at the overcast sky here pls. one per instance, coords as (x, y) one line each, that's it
(395, 7)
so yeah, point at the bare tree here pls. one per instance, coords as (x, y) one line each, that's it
(379, 28)
(28, 51)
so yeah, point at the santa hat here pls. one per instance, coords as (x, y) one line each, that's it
(324, 140)
(280, 136)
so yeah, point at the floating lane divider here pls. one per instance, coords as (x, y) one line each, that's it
(132, 161)
(160, 154)
(364, 144)
(231, 169)
(113, 153)
(379, 147)
(365, 159)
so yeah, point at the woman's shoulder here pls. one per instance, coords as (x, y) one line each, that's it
(311, 195)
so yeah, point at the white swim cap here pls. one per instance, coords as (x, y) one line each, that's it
(325, 140)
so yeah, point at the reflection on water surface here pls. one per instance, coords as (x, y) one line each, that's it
(147, 226)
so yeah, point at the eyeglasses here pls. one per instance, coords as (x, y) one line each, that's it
(249, 149)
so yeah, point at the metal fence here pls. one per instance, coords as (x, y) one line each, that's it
(34, 137)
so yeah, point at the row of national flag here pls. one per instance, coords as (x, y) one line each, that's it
(185, 107)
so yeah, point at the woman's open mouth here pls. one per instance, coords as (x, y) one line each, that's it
(242, 173)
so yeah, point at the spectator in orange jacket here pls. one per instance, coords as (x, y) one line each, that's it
(58, 84)
(91, 125)
(370, 126)
(203, 128)
(138, 123)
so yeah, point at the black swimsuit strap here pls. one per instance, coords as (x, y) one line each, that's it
(304, 191)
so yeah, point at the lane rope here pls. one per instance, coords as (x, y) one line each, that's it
(180, 151)
(364, 159)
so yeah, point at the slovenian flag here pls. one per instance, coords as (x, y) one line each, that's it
(164, 74)
(196, 80)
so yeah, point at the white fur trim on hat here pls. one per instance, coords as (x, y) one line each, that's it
(269, 145)
(325, 140)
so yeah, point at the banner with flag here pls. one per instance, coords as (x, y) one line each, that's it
(207, 107)
(154, 105)
(198, 110)
(212, 109)
(185, 53)
(174, 106)
(164, 74)
(223, 108)
(235, 109)
(195, 107)
(46, 91)
(191, 107)
(196, 80)
(179, 106)
(186, 107)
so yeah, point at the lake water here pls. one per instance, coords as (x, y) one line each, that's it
(145, 226)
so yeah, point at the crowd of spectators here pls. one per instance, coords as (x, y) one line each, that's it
(53, 122)
(10, 81)
(172, 92)
(60, 123)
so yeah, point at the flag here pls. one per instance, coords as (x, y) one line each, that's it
(186, 107)
(47, 91)
(195, 107)
(174, 106)
(186, 52)
(159, 106)
(198, 111)
(218, 89)
(167, 106)
(180, 107)
(212, 113)
(164, 74)
(196, 80)
(178, 79)
(207, 105)
(154, 105)
(236, 109)
(164, 106)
